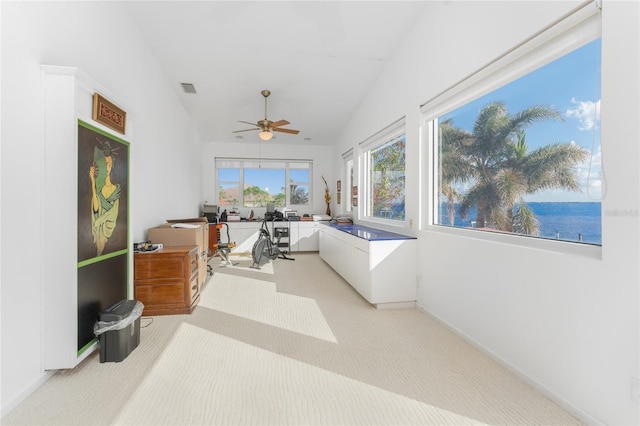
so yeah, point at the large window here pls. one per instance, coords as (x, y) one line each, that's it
(256, 183)
(524, 158)
(384, 170)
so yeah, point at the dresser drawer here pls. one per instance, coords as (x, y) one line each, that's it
(161, 293)
(193, 262)
(147, 268)
(194, 289)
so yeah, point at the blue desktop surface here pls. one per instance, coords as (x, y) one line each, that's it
(370, 234)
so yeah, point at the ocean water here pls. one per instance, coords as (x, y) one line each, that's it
(564, 221)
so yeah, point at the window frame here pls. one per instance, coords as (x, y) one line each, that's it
(575, 29)
(246, 163)
(378, 140)
(347, 183)
(290, 182)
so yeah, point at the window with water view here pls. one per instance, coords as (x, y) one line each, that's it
(525, 158)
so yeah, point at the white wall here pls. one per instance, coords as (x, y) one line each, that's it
(99, 39)
(320, 154)
(568, 323)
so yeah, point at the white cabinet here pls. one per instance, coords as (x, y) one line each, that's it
(330, 251)
(304, 236)
(384, 272)
(244, 234)
(361, 272)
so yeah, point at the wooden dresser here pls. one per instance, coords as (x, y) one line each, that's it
(166, 281)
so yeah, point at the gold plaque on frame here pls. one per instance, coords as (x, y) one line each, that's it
(107, 113)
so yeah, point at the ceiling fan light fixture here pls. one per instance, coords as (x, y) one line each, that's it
(266, 126)
(265, 135)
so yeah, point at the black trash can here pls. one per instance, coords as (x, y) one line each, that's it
(118, 330)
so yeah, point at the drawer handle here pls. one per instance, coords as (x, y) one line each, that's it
(195, 287)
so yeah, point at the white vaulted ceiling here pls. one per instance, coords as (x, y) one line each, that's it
(318, 59)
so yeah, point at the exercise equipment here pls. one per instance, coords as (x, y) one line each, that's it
(264, 249)
(225, 248)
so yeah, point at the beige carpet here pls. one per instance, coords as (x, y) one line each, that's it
(291, 343)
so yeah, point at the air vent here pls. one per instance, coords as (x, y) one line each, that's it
(188, 88)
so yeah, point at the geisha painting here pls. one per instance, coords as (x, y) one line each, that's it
(102, 192)
(103, 169)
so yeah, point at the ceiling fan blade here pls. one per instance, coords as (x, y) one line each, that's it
(293, 132)
(267, 125)
(279, 123)
(245, 130)
(246, 122)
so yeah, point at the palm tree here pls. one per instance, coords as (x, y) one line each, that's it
(453, 166)
(299, 194)
(388, 177)
(495, 157)
(512, 187)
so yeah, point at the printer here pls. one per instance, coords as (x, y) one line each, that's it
(210, 211)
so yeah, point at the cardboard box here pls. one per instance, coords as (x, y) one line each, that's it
(185, 232)
(201, 222)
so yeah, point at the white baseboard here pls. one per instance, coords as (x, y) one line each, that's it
(395, 305)
(582, 415)
(14, 402)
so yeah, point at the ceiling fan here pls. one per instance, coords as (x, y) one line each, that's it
(267, 127)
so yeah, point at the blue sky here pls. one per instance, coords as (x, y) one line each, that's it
(571, 85)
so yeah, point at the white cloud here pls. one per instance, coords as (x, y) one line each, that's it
(586, 112)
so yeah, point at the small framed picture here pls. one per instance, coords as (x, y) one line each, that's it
(338, 195)
(107, 113)
(354, 191)
(354, 201)
(339, 186)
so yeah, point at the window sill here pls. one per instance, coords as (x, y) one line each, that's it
(586, 250)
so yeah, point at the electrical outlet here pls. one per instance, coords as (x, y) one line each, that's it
(635, 388)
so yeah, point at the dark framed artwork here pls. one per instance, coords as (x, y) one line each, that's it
(339, 186)
(103, 176)
(103, 222)
(107, 113)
